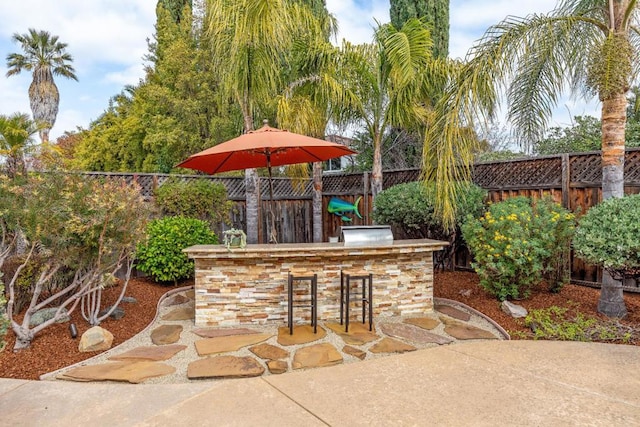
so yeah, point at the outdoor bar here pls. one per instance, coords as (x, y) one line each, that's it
(244, 286)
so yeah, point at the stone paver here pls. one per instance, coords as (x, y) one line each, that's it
(413, 334)
(225, 367)
(269, 352)
(217, 332)
(358, 334)
(166, 334)
(150, 353)
(316, 356)
(302, 334)
(453, 312)
(181, 313)
(209, 346)
(131, 371)
(277, 366)
(428, 323)
(389, 345)
(464, 331)
(176, 299)
(355, 352)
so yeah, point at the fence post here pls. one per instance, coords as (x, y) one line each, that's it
(365, 190)
(566, 180)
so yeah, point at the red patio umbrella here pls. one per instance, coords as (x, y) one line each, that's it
(264, 147)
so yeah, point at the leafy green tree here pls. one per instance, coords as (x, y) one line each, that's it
(175, 8)
(16, 139)
(584, 135)
(45, 57)
(175, 112)
(436, 15)
(587, 45)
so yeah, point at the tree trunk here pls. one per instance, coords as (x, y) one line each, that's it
(376, 170)
(317, 202)
(614, 117)
(252, 185)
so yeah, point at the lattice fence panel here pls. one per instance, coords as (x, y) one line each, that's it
(391, 178)
(542, 172)
(340, 184)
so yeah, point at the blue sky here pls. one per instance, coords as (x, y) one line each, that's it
(108, 40)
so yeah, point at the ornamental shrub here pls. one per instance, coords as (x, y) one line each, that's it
(201, 199)
(517, 242)
(410, 206)
(608, 235)
(161, 256)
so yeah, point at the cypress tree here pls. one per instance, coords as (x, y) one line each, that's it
(434, 12)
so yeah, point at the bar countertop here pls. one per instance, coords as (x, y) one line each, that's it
(312, 249)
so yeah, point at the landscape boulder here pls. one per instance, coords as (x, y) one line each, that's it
(95, 339)
(41, 316)
(514, 310)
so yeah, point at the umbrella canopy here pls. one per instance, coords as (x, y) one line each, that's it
(264, 147)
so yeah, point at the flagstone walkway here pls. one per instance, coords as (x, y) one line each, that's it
(173, 350)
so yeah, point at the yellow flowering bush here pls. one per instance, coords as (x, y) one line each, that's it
(517, 242)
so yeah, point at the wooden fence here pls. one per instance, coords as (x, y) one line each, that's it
(574, 180)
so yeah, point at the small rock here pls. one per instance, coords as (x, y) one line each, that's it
(41, 316)
(129, 300)
(465, 293)
(514, 310)
(95, 339)
(277, 366)
(116, 314)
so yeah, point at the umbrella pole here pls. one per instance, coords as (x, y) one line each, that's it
(273, 237)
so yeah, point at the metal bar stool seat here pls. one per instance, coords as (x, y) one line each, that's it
(313, 303)
(365, 295)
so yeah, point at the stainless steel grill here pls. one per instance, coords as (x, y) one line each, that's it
(362, 235)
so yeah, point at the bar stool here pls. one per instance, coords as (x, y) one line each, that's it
(313, 304)
(365, 294)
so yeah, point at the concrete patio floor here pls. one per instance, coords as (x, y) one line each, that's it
(480, 383)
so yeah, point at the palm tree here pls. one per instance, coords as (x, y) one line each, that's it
(45, 57)
(250, 42)
(390, 80)
(588, 46)
(16, 138)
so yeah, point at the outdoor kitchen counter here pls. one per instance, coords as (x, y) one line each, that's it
(248, 286)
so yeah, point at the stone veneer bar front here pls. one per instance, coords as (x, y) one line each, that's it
(248, 286)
